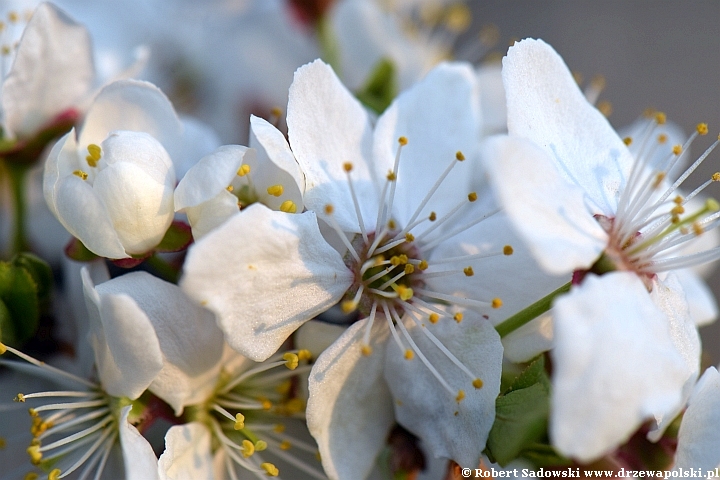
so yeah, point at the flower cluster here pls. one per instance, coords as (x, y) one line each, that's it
(425, 264)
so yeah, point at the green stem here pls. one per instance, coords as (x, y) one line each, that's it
(163, 268)
(329, 48)
(530, 312)
(17, 175)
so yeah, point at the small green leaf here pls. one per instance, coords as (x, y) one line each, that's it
(380, 88)
(533, 373)
(18, 291)
(178, 237)
(7, 331)
(39, 270)
(520, 419)
(543, 455)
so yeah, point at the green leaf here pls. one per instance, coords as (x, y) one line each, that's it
(7, 331)
(534, 373)
(543, 455)
(18, 291)
(40, 272)
(380, 88)
(178, 237)
(520, 419)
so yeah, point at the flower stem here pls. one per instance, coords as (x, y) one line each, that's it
(17, 175)
(329, 48)
(530, 312)
(164, 269)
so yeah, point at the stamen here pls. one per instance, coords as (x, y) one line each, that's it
(386, 209)
(333, 223)
(275, 190)
(288, 206)
(348, 168)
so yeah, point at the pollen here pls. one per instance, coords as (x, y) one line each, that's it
(702, 128)
(275, 190)
(347, 166)
(468, 271)
(399, 260)
(605, 108)
(508, 250)
(276, 112)
(266, 404)
(434, 317)
(348, 306)
(239, 421)
(678, 210)
(460, 396)
(477, 383)
(391, 176)
(627, 141)
(19, 398)
(432, 217)
(677, 149)
(662, 139)
(3, 443)
(260, 445)
(31, 476)
(288, 206)
(660, 118)
(409, 268)
(409, 237)
(54, 474)
(285, 445)
(458, 18)
(13, 17)
(35, 454)
(409, 354)
(95, 152)
(459, 156)
(472, 196)
(230, 188)
(423, 265)
(81, 174)
(715, 177)
(329, 209)
(405, 293)
(304, 354)
(366, 350)
(679, 199)
(496, 303)
(291, 360)
(248, 448)
(3, 349)
(402, 141)
(697, 229)
(391, 224)
(270, 469)
(458, 317)
(659, 177)
(279, 428)
(243, 170)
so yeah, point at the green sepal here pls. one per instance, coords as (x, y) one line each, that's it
(76, 250)
(533, 373)
(380, 87)
(40, 271)
(178, 237)
(7, 331)
(544, 455)
(18, 292)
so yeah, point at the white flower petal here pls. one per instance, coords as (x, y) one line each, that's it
(439, 116)
(211, 175)
(492, 98)
(699, 436)
(198, 140)
(700, 299)
(448, 428)
(328, 127)
(136, 106)
(187, 454)
(212, 213)
(546, 106)
(190, 341)
(127, 351)
(550, 213)
(276, 265)
(139, 458)
(615, 362)
(349, 411)
(61, 161)
(53, 69)
(317, 336)
(530, 340)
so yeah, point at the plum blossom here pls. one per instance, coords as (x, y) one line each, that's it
(111, 185)
(400, 205)
(627, 349)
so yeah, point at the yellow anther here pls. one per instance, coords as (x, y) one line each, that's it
(391, 176)
(347, 166)
(318, 457)
(270, 469)
(702, 128)
(276, 112)
(677, 149)
(716, 177)
(2, 26)
(304, 354)
(605, 108)
(31, 476)
(432, 217)
(230, 188)
(409, 268)
(284, 387)
(279, 428)
(81, 174)
(434, 317)
(288, 206)
(405, 293)
(285, 445)
(379, 260)
(266, 404)
(458, 18)
(627, 141)
(294, 405)
(5, 49)
(598, 82)
(409, 237)
(366, 350)
(275, 190)
(243, 170)
(54, 474)
(496, 303)
(3, 349)
(423, 265)
(95, 152)
(489, 35)
(662, 138)
(460, 396)
(329, 209)
(19, 398)
(260, 445)
(32, 412)
(35, 454)
(291, 360)
(468, 271)
(477, 383)
(578, 77)
(3, 443)
(391, 224)
(649, 112)
(402, 141)
(13, 16)
(508, 250)
(459, 156)
(659, 177)
(697, 229)
(409, 354)
(472, 196)
(348, 306)
(679, 200)
(684, 230)
(712, 205)
(675, 219)
(248, 448)
(660, 118)
(678, 210)
(239, 421)
(401, 259)
(458, 317)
